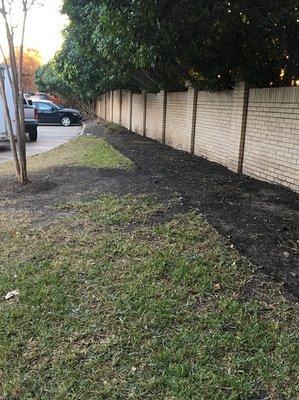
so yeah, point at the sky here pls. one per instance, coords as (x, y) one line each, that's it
(44, 28)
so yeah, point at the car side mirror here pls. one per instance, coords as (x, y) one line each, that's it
(29, 102)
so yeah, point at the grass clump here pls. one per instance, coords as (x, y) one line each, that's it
(112, 306)
(83, 151)
(109, 211)
(112, 127)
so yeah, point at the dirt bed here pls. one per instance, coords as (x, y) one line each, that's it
(260, 219)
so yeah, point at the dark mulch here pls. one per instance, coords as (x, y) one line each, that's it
(261, 220)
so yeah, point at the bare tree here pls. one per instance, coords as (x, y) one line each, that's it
(14, 71)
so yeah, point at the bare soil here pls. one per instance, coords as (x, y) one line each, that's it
(260, 219)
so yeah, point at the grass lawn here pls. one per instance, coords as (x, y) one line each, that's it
(114, 304)
(82, 151)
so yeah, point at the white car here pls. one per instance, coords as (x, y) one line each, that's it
(31, 115)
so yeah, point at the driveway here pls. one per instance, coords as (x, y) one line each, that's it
(48, 138)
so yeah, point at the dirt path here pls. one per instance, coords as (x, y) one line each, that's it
(261, 220)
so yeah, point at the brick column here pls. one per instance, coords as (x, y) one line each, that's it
(144, 102)
(120, 105)
(130, 110)
(191, 116)
(238, 126)
(192, 94)
(164, 93)
(111, 104)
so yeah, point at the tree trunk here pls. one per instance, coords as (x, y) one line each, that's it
(18, 106)
(22, 147)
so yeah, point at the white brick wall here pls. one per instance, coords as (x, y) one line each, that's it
(177, 131)
(100, 107)
(108, 106)
(137, 113)
(116, 106)
(213, 118)
(154, 115)
(271, 127)
(272, 136)
(125, 113)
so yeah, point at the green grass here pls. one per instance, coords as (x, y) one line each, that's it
(116, 305)
(82, 151)
(112, 306)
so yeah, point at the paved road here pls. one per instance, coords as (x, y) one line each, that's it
(48, 138)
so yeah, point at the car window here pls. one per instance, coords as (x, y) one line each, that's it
(44, 106)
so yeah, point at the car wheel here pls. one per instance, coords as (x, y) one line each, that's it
(33, 135)
(66, 121)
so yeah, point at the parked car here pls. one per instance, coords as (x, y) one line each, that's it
(31, 120)
(47, 96)
(50, 113)
(28, 95)
(31, 116)
(41, 96)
